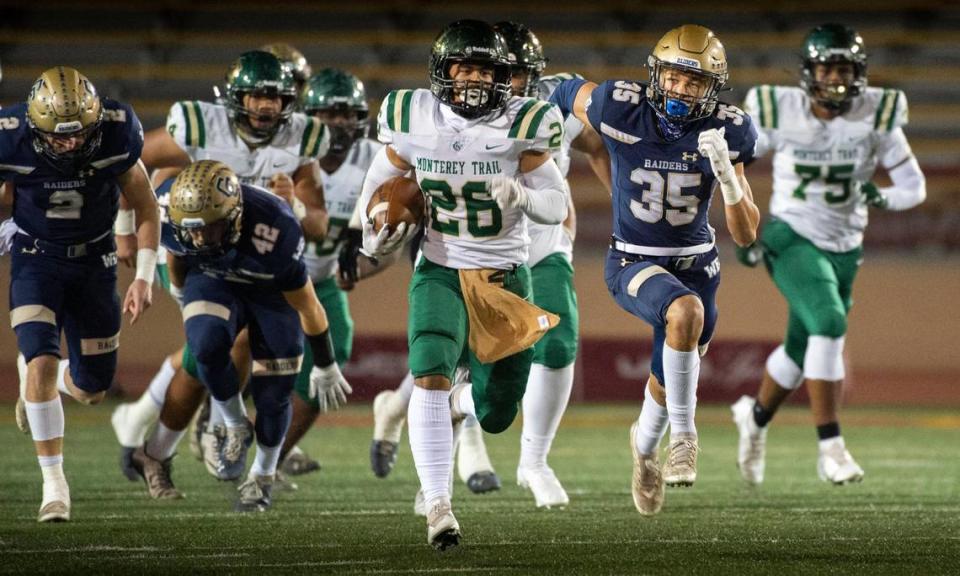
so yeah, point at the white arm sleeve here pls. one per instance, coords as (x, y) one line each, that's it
(909, 186)
(546, 198)
(381, 170)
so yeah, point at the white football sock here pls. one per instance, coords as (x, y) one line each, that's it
(232, 411)
(465, 404)
(681, 370)
(544, 402)
(265, 462)
(162, 444)
(400, 400)
(46, 419)
(157, 391)
(431, 441)
(652, 424)
(54, 481)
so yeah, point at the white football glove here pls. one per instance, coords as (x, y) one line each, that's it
(7, 231)
(329, 387)
(508, 192)
(377, 245)
(713, 145)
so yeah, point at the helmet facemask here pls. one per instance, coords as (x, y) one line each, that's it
(837, 53)
(250, 122)
(473, 98)
(346, 124)
(681, 108)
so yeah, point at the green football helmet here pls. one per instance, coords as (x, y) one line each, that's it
(833, 44)
(259, 73)
(526, 56)
(474, 42)
(339, 100)
(293, 60)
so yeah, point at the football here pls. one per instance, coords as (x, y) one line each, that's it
(397, 200)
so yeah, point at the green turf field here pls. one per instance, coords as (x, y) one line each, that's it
(904, 518)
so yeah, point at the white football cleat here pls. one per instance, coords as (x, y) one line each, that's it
(387, 428)
(647, 481)
(443, 530)
(55, 506)
(681, 466)
(547, 490)
(836, 465)
(22, 422)
(751, 455)
(473, 463)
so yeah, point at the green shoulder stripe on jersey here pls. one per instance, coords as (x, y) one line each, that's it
(767, 101)
(886, 111)
(312, 137)
(528, 119)
(399, 103)
(193, 118)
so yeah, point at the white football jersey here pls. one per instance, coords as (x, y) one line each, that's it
(547, 239)
(455, 159)
(341, 190)
(820, 165)
(204, 131)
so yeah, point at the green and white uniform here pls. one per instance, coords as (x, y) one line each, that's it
(813, 242)
(341, 190)
(551, 258)
(455, 160)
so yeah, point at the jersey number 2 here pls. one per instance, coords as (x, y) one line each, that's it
(65, 205)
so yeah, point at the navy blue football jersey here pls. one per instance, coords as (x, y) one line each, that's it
(269, 254)
(68, 208)
(661, 190)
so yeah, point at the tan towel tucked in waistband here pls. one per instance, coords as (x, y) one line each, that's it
(501, 323)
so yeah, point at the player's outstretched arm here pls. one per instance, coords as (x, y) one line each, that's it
(306, 198)
(139, 194)
(327, 384)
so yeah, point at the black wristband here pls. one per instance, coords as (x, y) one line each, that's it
(322, 348)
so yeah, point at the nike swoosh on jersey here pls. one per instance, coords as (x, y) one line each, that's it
(495, 146)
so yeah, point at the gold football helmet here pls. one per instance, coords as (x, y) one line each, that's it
(293, 60)
(205, 207)
(64, 110)
(689, 50)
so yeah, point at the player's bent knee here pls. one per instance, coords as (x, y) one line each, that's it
(497, 418)
(824, 359)
(685, 315)
(209, 341)
(831, 323)
(556, 351)
(784, 371)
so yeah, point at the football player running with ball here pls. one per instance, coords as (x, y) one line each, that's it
(672, 145)
(827, 137)
(484, 158)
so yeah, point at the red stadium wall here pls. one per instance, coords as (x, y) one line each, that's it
(901, 344)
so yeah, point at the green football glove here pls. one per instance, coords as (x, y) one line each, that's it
(872, 195)
(750, 255)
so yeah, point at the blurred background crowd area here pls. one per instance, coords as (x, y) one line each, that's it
(155, 53)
